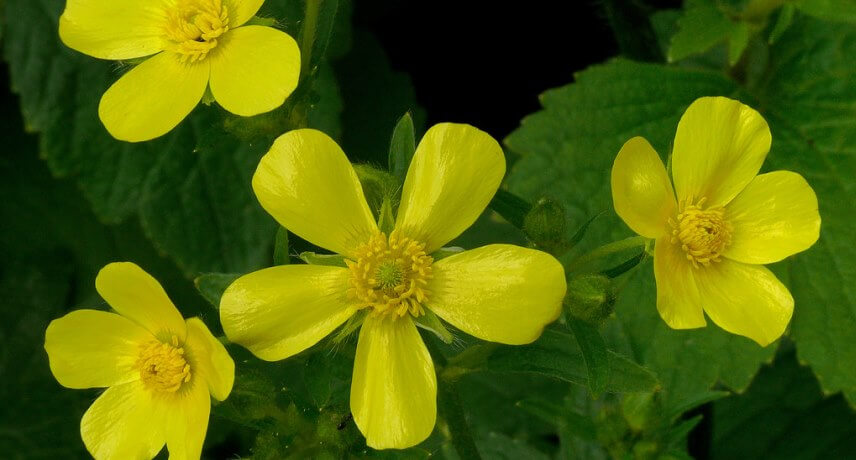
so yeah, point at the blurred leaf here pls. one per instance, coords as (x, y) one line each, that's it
(783, 20)
(594, 351)
(702, 26)
(783, 415)
(829, 10)
(511, 207)
(556, 354)
(280, 247)
(737, 42)
(498, 446)
(377, 96)
(402, 146)
(212, 286)
(318, 20)
(311, 258)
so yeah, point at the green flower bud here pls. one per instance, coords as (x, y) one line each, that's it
(590, 298)
(545, 225)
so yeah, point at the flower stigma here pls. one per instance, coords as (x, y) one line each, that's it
(163, 366)
(390, 275)
(702, 233)
(193, 27)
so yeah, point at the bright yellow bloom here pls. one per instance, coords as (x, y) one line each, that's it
(194, 45)
(159, 369)
(499, 292)
(722, 221)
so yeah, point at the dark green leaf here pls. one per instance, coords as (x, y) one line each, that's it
(511, 207)
(212, 286)
(401, 147)
(280, 247)
(595, 353)
(318, 20)
(829, 10)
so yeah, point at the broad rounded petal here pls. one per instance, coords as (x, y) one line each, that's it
(124, 422)
(253, 69)
(153, 97)
(240, 11)
(745, 299)
(641, 191)
(187, 422)
(115, 29)
(501, 293)
(210, 359)
(308, 185)
(137, 296)
(90, 349)
(774, 217)
(454, 173)
(719, 148)
(394, 388)
(678, 299)
(280, 311)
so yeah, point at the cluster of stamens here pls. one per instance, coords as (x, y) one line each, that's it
(702, 233)
(390, 275)
(163, 366)
(193, 27)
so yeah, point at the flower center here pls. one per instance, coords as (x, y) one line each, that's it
(193, 27)
(390, 275)
(702, 233)
(163, 367)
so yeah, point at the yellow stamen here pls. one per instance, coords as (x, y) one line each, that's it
(193, 27)
(163, 366)
(702, 233)
(390, 275)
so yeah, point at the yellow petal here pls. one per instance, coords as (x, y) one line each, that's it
(124, 422)
(455, 172)
(678, 300)
(211, 361)
(394, 388)
(501, 293)
(308, 185)
(90, 348)
(240, 11)
(187, 422)
(137, 296)
(719, 148)
(253, 69)
(745, 299)
(641, 191)
(280, 311)
(115, 29)
(153, 97)
(774, 217)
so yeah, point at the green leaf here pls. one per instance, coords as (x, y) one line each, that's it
(556, 354)
(280, 247)
(568, 148)
(784, 19)
(430, 322)
(402, 146)
(829, 10)
(318, 20)
(737, 42)
(810, 102)
(595, 353)
(702, 26)
(783, 415)
(511, 207)
(212, 286)
(311, 258)
(189, 188)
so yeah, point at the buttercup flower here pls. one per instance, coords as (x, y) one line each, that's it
(720, 223)
(501, 293)
(194, 45)
(159, 369)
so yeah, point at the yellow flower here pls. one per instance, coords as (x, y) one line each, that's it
(159, 369)
(194, 45)
(722, 221)
(500, 292)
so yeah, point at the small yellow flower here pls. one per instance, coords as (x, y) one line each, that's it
(721, 222)
(499, 292)
(194, 45)
(158, 369)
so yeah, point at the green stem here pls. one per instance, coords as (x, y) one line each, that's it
(607, 250)
(310, 22)
(459, 429)
(758, 10)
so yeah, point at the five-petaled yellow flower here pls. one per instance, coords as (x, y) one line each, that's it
(499, 292)
(159, 369)
(194, 45)
(721, 221)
